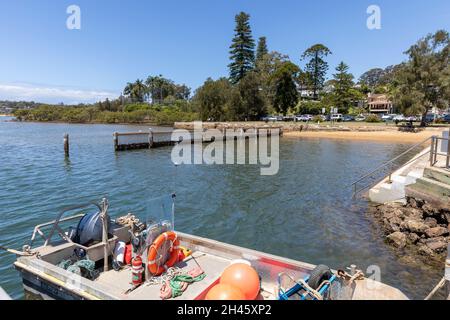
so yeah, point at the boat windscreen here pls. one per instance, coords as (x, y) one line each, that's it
(160, 210)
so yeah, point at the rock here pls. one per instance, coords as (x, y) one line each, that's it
(414, 214)
(447, 217)
(395, 222)
(437, 246)
(413, 238)
(415, 226)
(429, 240)
(430, 210)
(425, 251)
(436, 232)
(431, 222)
(398, 239)
(412, 203)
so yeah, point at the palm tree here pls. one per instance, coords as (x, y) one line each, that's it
(137, 91)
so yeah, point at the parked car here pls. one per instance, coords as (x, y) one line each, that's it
(360, 118)
(271, 118)
(431, 117)
(386, 117)
(446, 118)
(411, 118)
(399, 118)
(337, 117)
(348, 118)
(304, 117)
(289, 118)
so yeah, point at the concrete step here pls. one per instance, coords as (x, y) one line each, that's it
(387, 192)
(430, 190)
(437, 174)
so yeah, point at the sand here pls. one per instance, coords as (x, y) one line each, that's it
(382, 136)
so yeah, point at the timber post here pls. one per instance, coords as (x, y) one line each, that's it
(66, 145)
(116, 141)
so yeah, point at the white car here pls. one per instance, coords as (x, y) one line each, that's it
(360, 118)
(304, 117)
(411, 118)
(386, 117)
(337, 117)
(399, 118)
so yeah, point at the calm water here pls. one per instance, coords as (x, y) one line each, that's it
(306, 212)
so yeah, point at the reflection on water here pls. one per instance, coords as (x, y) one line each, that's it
(306, 212)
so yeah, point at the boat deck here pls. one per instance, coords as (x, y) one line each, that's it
(120, 281)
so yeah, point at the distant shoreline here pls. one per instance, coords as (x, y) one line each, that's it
(381, 136)
(343, 131)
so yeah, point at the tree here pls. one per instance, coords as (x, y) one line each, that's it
(248, 102)
(266, 67)
(285, 95)
(212, 99)
(261, 50)
(343, 94)
(317, 67)
(372, 78)
(242, 48)
(136, 91)
(423, 82)
(159, 88)
(182, 92)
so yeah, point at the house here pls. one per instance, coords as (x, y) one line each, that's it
(305, 92)
(379, 103)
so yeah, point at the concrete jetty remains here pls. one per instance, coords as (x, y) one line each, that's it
(412, 205)
(159, 138)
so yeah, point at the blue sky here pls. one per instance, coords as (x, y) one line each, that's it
(188, 41)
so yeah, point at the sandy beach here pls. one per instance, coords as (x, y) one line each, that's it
(389, 136)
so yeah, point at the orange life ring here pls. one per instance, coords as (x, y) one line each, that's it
(154, 266)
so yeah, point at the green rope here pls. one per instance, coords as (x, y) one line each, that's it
(177, 282)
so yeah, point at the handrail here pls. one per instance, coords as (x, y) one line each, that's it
(354, 184)
(54, 223)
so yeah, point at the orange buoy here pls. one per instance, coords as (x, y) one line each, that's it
(243, 277)
(223, 291)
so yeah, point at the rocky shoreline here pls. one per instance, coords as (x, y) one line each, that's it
(415, 228)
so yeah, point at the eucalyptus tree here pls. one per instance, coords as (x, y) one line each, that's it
(316, 67)
(242, 53)
(423, 82)
(285, 87)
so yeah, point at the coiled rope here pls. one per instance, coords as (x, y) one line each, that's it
(176, 286)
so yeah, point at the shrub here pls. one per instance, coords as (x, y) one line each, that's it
(317, 119)
(309, 107)
(373, 118)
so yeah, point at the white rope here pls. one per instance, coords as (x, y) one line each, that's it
(167, 276)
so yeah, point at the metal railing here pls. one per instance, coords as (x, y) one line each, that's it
(55, 224)
(434, 150)
(384, 165)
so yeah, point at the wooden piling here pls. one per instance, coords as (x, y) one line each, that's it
(116, 141)
(66, 145)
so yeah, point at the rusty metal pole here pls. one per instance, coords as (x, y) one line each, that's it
(66, 145)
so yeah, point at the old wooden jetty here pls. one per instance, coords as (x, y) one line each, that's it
(154, 139)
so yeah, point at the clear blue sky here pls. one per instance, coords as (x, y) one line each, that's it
(188, 41)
